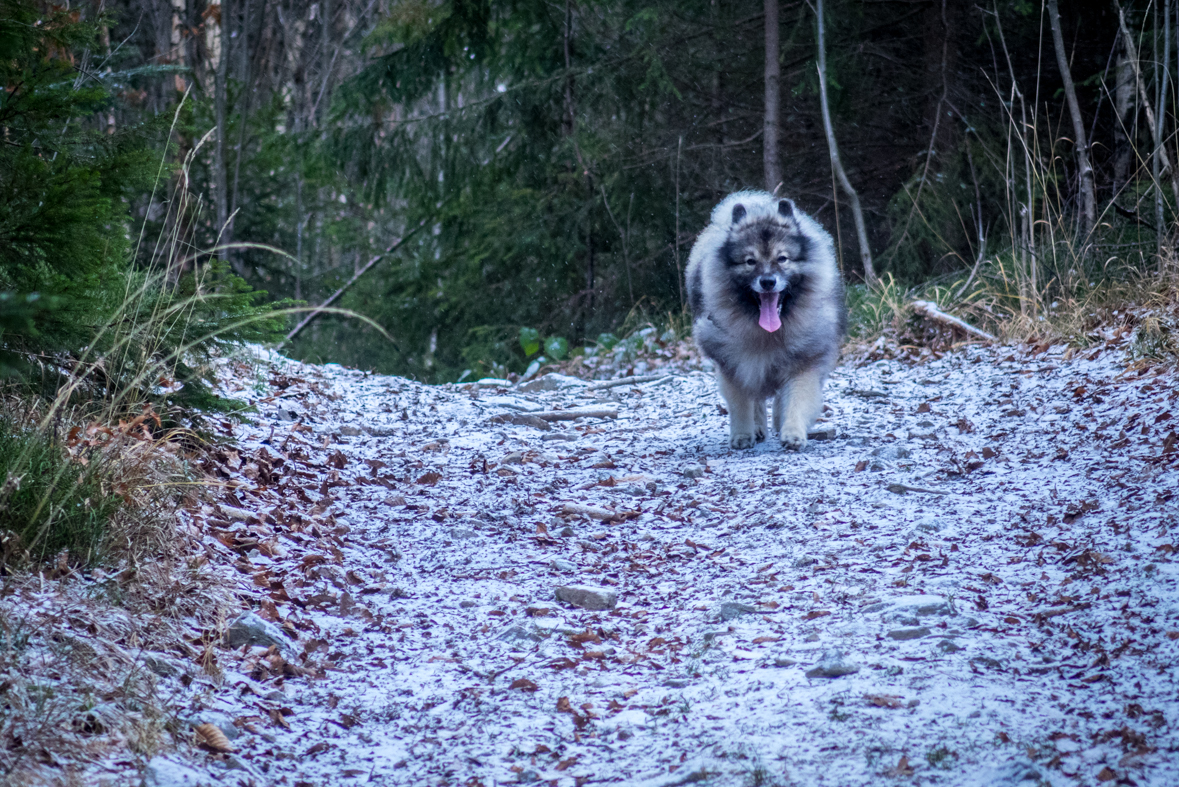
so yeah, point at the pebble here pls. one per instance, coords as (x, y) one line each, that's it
(821, 434)
(784, 661)
(566, 532)
(947, 646)
(692, 470)
(587, 597)
(832, 665)
(564, 566)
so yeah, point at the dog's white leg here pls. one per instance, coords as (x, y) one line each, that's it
(742, 427)
(797, 406)
(759, 418)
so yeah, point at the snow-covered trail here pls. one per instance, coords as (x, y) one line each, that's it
(971, 581)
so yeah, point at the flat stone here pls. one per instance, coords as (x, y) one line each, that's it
(587, 597)
(832, 665)
(784, 661)
(564, 566)
(908, 633)
(677, 683)
(692, 470)
(249, 629)
(730, 610)
(948, 646)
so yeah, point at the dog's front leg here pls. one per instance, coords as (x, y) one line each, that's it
(796, 407)
(742, 420)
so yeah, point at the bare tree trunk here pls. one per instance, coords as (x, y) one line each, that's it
(1123, 100)
(243, 104)
(1088, 198)
(221, 157)
(1160, 150)
(773, 74)
(833, 150)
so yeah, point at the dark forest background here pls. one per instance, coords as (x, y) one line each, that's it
(539, 170)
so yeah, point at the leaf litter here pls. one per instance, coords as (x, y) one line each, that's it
(1010, 613)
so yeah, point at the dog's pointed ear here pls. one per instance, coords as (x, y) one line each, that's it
(786, 208)
(738, 212)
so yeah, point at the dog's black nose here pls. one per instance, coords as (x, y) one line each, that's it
(767, 283)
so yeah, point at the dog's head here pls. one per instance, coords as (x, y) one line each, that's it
(765, 260)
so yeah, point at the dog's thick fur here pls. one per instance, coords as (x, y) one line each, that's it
(759, 251)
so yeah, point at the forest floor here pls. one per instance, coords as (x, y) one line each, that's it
(968, 578)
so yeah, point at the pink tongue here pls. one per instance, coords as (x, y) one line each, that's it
(769, 312)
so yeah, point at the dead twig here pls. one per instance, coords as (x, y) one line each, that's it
(930, 311)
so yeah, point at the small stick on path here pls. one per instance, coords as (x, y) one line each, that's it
(930, 311)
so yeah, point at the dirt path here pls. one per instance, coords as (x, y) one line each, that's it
(970, 582)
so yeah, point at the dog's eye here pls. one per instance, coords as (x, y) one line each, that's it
(750, 261)
(782, 259)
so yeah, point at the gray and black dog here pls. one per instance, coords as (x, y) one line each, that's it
(768, 309)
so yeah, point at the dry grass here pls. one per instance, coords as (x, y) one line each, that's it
(84, 638)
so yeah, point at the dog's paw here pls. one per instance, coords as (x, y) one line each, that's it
(759, 434)
(741, 441)
(793, 440)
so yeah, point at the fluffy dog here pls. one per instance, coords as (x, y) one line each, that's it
(767, 305)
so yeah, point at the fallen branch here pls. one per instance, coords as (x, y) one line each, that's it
(574, 414)
(376, 258)
(633, 380)
(930, 311)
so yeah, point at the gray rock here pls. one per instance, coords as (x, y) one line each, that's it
(804, 561)
(784, 661)
(219, 720)
(730, 610)
(462, 533)
(348, 430)
(909, 610)
(948, 646)
(692, 470)
(467, 604)
(164, 666)
(566, 532)
(568, 437)
(832, 665)
(928, 524)
(249, 629)
(587, 597)
(677, 683)
(891, 452)
(551, 382)
(909, 633)
(564, 566)
(170, 772)
(821, 433)
(517, 634)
